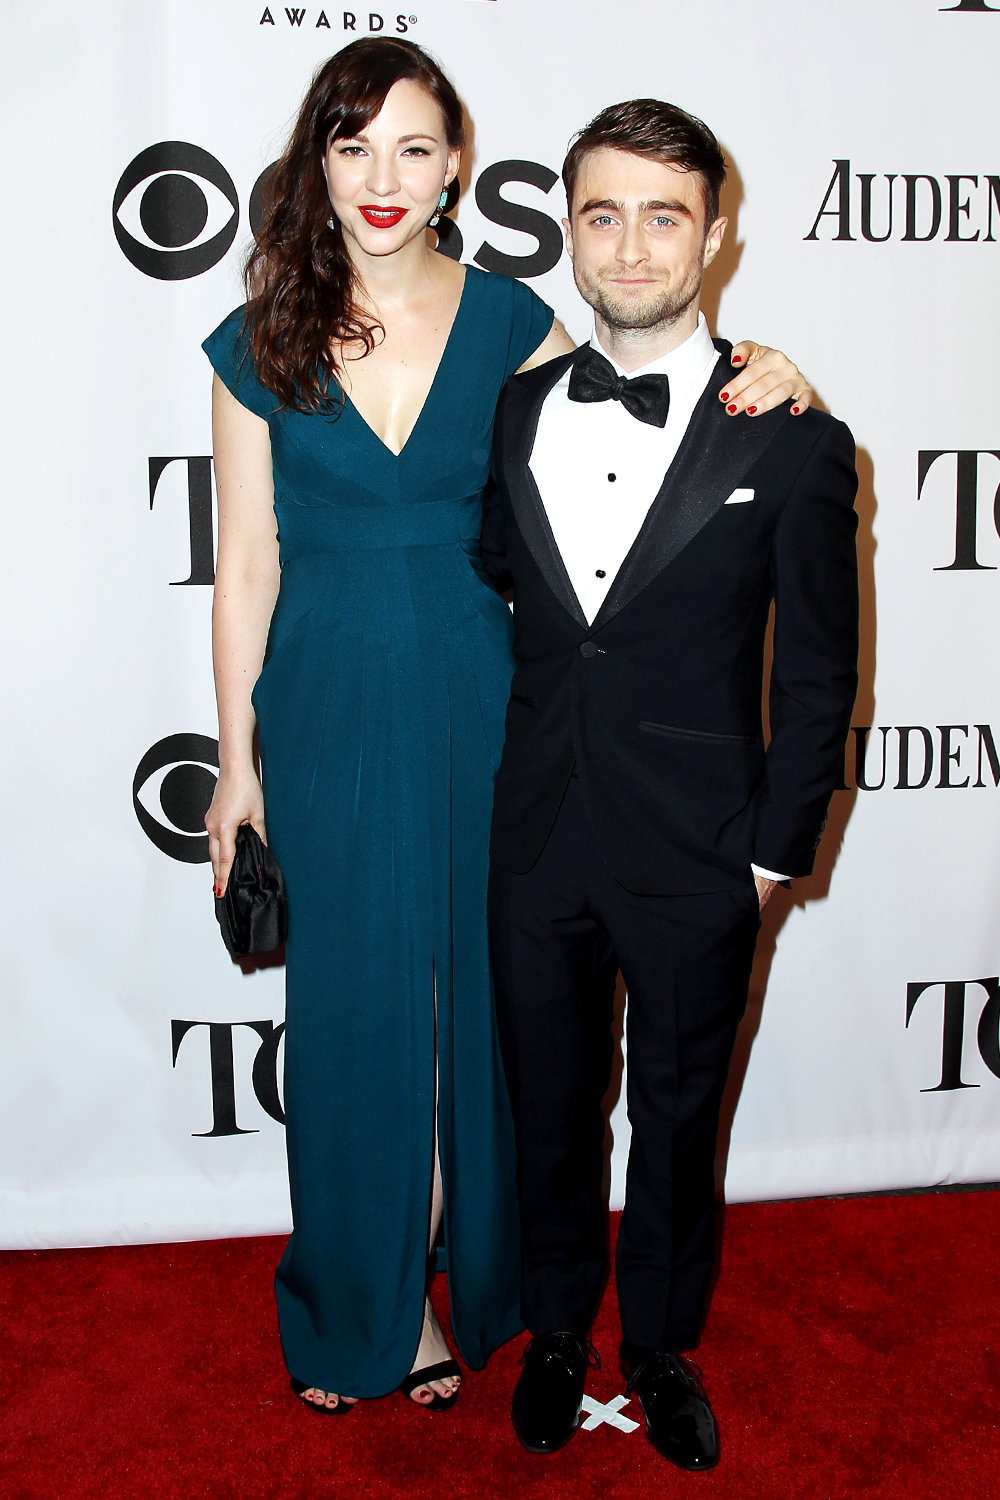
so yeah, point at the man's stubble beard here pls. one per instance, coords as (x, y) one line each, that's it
(624, 312)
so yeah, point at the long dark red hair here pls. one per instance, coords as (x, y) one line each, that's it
(302, 288)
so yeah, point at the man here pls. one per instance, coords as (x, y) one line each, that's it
(639, 822)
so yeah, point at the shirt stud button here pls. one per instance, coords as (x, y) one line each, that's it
(612, 478)
(600, 573)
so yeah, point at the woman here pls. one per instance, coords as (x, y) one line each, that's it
(354, 398)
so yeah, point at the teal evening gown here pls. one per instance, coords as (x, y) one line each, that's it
(380, 709)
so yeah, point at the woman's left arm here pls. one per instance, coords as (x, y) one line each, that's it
(764, 378)
(557, 341)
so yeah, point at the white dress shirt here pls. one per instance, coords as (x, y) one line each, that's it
(598, 469)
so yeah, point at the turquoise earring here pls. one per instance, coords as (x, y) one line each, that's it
(442, 205)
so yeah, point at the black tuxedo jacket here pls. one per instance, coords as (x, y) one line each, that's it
(658, 702)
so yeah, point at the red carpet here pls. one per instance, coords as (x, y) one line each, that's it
(852, 1349)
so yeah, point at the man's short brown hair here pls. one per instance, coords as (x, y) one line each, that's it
(658, 131)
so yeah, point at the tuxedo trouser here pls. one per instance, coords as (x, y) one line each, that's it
(558, 935)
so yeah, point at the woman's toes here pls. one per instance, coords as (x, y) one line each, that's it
(331, 1400)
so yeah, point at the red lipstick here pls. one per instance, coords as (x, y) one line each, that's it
(381, 218)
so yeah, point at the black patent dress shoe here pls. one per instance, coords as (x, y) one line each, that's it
(547, 1398)
(679, 1421)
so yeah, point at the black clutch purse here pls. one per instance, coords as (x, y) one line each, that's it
(253, 914)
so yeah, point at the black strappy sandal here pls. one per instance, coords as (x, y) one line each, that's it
(440, 1371)
(424, 1377)
(342, 1408)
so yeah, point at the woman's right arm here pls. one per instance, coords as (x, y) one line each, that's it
(246, 586)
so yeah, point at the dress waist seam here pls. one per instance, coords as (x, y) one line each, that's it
(317, 529)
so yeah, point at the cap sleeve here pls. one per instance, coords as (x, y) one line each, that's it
(229, 351)
(530, 323)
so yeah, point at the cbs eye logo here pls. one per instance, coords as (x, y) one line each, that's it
(178, 774)
(175, 211)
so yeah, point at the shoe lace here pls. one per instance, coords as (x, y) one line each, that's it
(559, 1342)
(677, 1364)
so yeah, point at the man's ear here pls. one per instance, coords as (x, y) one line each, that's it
(713, 241)
(568, 232)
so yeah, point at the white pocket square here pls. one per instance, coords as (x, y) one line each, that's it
(740, 497)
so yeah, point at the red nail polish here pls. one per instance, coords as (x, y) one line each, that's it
(724, 396)
(795, 411)
(731, 410)
(752, 410)
(737, 359)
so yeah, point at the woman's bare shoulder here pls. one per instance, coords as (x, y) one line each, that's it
(448, 273)
(557, 341)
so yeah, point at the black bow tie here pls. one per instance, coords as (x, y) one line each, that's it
(593, 378)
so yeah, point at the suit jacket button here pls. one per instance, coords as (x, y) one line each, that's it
(588, 649)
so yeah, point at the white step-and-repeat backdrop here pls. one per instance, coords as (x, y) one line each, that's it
(140, 1095)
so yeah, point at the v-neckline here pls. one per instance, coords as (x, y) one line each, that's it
(430, 389)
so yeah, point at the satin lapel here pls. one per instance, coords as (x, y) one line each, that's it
(523, 406)
(715, 453)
